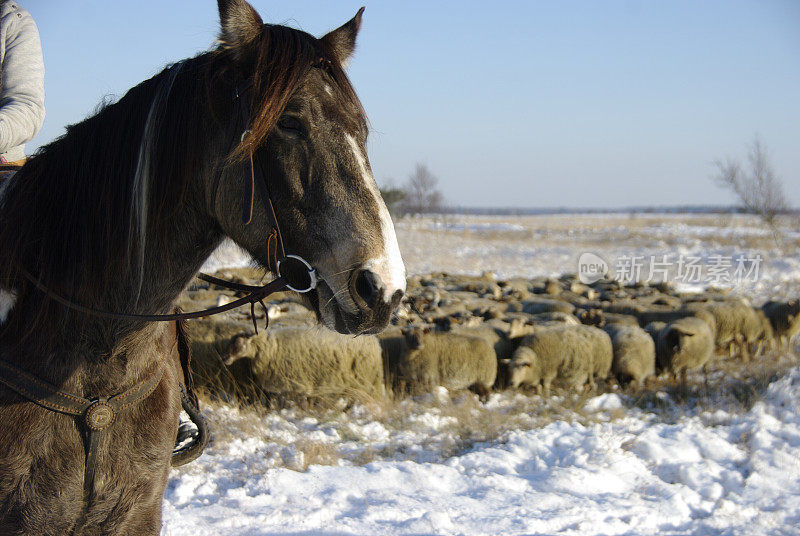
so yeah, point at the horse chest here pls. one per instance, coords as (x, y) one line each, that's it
(42, 469)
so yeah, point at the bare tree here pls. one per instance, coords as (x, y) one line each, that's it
(392, 196)
(757, 187)
(422, 196)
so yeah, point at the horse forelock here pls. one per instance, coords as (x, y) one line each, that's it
(283, 58)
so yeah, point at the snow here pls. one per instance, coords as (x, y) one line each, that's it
(715, 473)
(446, 464)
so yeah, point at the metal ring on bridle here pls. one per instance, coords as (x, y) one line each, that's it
(299, 275)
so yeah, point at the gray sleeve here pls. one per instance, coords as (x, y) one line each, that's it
(22, 98)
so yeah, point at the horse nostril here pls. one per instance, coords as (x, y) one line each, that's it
(367, 287)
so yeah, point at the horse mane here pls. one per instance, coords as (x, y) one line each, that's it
(85, 206)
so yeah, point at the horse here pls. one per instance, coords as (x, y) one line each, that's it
(120, 213)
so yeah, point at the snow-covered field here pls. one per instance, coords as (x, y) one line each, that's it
(697, 461)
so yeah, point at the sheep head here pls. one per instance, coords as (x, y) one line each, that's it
(238, 348)
(413, 338)
(517, 328)
(521, 368)
(676, 337)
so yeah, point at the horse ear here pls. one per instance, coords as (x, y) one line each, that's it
(239, 21)
(341, 42)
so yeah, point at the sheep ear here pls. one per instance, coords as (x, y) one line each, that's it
(239, 22)
(341, 42)
(505, 361)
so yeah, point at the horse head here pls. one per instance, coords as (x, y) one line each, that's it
(306, 133)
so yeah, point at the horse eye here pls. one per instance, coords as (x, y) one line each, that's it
(292, 125)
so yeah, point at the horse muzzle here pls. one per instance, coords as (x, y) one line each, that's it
(364, 306)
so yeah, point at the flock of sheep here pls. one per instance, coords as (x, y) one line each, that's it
(481, 333)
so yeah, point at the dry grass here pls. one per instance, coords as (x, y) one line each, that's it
(437, 426)
(729, 385)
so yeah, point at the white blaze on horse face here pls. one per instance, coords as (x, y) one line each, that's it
(7, 301)
(389, 266)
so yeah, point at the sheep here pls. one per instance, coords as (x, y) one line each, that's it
(784, 318)
(209, 340)
(573, 355)
(599, 318)
(495, 333)
(313, 362)
(624, 307)
(658, 315)
(553, 287)
(583, 290)
(653, 329)
(515, 289)
(543, 305)
(482, 288)
(554, 317)
(634, 353)
(660, 299)
(505, 337)
(452, 360)
(575, 299)
(684, 344)
(290, 313)
(758, 333)
(737, 325)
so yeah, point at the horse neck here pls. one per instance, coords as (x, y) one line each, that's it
(170, 247)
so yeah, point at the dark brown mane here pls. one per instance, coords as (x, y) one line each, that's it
(78, 212)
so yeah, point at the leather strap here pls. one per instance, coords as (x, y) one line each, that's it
(256, 295)
(95, 415)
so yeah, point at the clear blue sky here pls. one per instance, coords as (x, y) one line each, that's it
(523, 103)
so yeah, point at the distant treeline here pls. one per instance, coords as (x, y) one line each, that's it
(536, 211)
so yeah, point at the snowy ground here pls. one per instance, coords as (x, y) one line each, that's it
(703, 461)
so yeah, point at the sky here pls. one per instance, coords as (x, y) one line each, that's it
(509, 103)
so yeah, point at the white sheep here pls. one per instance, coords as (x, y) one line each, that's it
(313, 362)
(684, 344)
(449, 359)
(634, 353)
(737, 325)
(572, 355)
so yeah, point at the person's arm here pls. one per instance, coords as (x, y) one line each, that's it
(22, 97)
